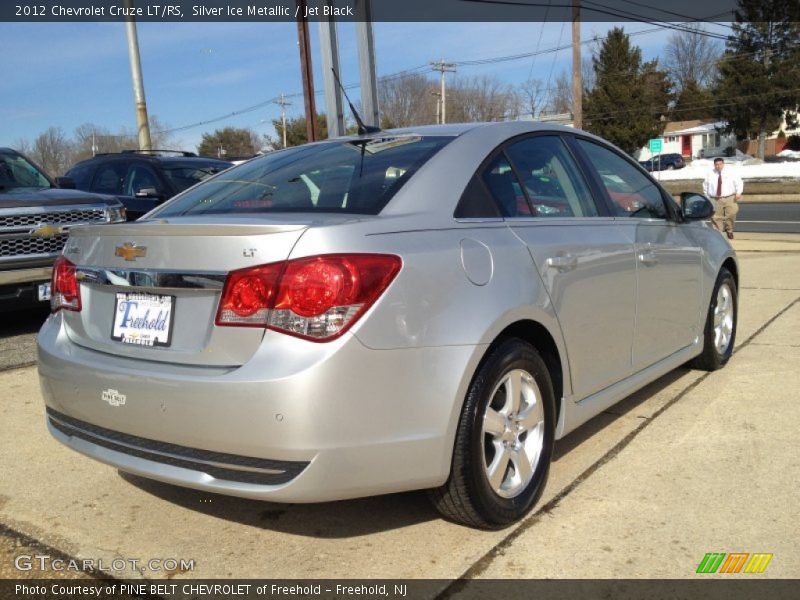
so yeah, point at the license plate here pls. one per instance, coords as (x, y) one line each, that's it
(143, 319)
(43, 292)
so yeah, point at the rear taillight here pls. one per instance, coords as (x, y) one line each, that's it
(65, 290)
(315, 298)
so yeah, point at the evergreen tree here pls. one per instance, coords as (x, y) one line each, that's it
(759, 74)
(693, 102)
(230, 142)
(296, 132)
(628, 99)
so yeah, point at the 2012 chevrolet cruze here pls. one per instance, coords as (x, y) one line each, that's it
(424, 308)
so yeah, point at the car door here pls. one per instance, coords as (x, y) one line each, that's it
(584, 256)
(668, 259)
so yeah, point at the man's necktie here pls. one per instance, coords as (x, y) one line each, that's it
(719, 186)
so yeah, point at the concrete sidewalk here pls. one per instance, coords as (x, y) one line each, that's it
(766, 242)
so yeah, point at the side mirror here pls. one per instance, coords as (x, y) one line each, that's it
(148, 192)
(696, 207)
(67, 183)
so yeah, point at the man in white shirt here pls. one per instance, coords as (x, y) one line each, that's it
(724, 187)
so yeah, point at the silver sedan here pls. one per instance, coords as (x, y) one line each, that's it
(417, 309)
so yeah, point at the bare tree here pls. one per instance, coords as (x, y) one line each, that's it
(691, 56)
(560, 97)
(406, 100)
(52, 151)
(481, 98)
(532, 96)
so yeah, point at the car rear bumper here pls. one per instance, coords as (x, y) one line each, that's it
(19, 288)
(351, 422)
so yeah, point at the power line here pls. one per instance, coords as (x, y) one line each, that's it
(398, 75)
(604, 10)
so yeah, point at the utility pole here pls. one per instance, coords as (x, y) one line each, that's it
(443, 68)
(438, 96)
(577, 83)
(283, 103)
(142, 122)
(307, 73)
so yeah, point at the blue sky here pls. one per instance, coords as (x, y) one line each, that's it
(66, 74)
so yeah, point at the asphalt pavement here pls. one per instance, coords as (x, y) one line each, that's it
(768, 217)
(694, 463)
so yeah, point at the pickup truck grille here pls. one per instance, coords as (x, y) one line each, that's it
(54, 218)
(18, 240)
(31, 246)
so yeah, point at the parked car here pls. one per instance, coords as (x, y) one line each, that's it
(407, 323)
(142, 179)
(35, 217)
(664, 162)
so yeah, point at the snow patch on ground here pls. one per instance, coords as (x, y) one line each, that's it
(700, 168)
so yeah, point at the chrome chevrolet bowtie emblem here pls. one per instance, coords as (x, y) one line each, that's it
(130, 252)
(46, 230)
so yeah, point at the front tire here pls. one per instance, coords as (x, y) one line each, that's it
(719, 334)
(504, 441)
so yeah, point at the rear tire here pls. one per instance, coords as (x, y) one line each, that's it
(719, 334)
(504, 440)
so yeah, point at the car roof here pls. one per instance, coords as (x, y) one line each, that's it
(183, 160)
(458, 129)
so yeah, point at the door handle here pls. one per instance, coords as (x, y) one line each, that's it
(563, 263)
(648, 258)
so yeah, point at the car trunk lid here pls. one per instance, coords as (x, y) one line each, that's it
(181, 263)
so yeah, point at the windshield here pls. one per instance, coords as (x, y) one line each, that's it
(356, 176)
(185, 176)
(16, 172)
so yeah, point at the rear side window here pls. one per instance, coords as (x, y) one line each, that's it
(551, 179)
(504, 187)
(358, 176)
(632, 193)
(185, 176)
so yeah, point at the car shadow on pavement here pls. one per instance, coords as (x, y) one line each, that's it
(22, 322)
(351, 518)
(343, 519)
(596, 425)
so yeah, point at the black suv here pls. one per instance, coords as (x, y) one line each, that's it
(35, 219)
(142, 179)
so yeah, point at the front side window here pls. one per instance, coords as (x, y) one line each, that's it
(109, 177)
(16, 172)
(140, 177)
(552, 181)
(357, 176)
(632, 193)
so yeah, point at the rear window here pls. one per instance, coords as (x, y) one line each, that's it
(356, 176)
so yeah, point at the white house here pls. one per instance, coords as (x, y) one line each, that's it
(691, 139)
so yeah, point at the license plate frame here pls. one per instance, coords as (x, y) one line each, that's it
(155, 331)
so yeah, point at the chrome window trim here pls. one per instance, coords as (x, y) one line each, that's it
(152, 278)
